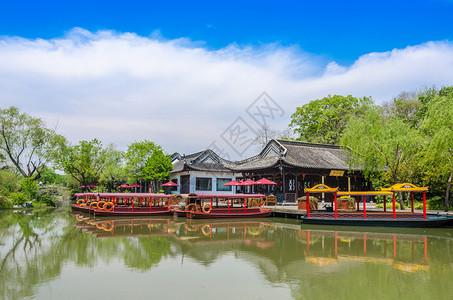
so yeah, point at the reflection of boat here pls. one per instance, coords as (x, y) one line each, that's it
(213, 206)
(376, 219)
(197, 231)
(123, 204)
(126, 227)
(374, 247)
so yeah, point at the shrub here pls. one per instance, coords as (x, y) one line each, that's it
(29, 188)
(389, 205)
(5, 203)
(18, 198)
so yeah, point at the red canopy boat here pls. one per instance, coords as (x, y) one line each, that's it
(123, 204)
(210, 206)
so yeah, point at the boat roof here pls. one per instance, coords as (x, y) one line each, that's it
(242, 196)
(365, 193)
(405, 187)
(321, 188)
(126, 195)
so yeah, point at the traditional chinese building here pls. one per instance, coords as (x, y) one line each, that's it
(293, 165)
(201, 172)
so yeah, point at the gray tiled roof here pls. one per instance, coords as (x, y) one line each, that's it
(291, 153)
(319, 156)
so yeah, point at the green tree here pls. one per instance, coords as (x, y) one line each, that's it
(323, 120)
(157, 167)
(84, 162)
(377, 143)
(113, 173)
(26, 142)
(146, 161)
(438, 127)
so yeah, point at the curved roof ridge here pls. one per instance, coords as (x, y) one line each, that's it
(301, 143)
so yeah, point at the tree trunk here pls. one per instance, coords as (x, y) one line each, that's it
(447, 194)
(400, 195)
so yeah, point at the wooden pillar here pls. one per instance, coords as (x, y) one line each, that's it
(297, 187)
(364, 206)
(357, 199)
(412, 201)
(335, 197)
(349, 184)
(424, 205)
(322, 181)
(385, 205)
(283, 184)
(394, 211)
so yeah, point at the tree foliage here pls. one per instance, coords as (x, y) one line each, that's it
(113, 173)
(147, 161)
(323, 120)
(83, 162)
(26, 142)
(377, 143)
(438, 128)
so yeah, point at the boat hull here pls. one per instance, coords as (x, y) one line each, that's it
(128, 212)
(201, 215)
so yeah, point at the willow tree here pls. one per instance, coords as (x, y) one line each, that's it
(379, 143)
(26, 142)
(438, 126)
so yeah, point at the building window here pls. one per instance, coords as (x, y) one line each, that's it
(220, 184)
(203, 184)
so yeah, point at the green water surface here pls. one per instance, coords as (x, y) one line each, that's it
(64, 255)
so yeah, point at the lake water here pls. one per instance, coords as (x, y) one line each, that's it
(62, 255)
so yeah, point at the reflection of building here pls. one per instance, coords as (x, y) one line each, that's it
(294, 165)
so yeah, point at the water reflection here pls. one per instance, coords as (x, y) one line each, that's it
(44, 251)
(402, 252)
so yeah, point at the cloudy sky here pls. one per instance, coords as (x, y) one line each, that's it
(192, 75)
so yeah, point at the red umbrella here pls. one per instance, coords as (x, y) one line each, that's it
(92, 186)
(135, 185)
(232, 183)
(82, 187)
(265, 181)
(249, 182)
(124, 186)
(170, 183)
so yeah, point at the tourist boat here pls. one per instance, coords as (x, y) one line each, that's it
(364, 218)
(124, 204)
(211, 206)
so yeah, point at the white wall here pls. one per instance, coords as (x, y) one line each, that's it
(213, 176)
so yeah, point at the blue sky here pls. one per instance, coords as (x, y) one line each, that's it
(181, 73)
(339, 30)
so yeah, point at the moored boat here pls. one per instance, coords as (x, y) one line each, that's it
(123, 204)
(364, 218)
(213, 206)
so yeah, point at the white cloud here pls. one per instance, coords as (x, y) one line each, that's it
(123, 87)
